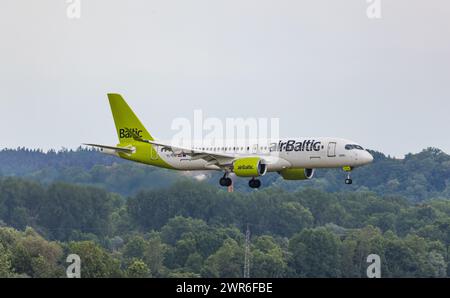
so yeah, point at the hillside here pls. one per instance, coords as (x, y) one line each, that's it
(129, 220)
(193, 229)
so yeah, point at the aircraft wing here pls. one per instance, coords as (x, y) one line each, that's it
(213, 158)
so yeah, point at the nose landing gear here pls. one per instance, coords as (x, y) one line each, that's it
(349, 180)
(254, 183)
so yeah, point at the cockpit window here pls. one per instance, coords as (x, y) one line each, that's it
(353, 146)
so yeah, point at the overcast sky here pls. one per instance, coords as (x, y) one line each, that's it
(323, 67)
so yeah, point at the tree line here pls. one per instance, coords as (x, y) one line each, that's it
(194, 229)
(417, 177)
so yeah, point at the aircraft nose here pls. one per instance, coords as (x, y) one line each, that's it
(368, 158)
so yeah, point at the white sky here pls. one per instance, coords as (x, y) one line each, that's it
(321, 66)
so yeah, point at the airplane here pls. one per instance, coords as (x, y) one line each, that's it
(292, 158)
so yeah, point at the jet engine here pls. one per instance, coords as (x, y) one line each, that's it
(249, 167)
(297, 174)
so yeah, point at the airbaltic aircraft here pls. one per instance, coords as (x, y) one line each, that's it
(292, 158)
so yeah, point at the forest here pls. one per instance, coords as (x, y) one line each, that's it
(130, 220)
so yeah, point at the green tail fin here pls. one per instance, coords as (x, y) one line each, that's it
(127, 124)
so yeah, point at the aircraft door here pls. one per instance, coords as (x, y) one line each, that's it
(254, 149)
(332, 149)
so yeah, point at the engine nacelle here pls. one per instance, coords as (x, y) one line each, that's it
(249, 167)
(297, 174)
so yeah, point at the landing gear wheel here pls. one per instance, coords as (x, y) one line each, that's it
(254, 183)
(225, 181)
(349, 180)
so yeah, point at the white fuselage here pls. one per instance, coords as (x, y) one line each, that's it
(278, 154)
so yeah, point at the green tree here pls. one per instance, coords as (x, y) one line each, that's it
(291, 218)
(179, 225)
(315, 253)
(413, 256)
(95, 261)
(68, 208)
(155, 255)
(136, 247)
(138, 269)
(356, 246)
(194, 262)
(267, 258)
(227, 261)
(35, 256)
(5, 262)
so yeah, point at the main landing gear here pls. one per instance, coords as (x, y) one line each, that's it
(254, 183)
(349, 180)
(225, 180)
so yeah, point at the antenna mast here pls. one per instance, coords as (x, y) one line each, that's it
(247, 253)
